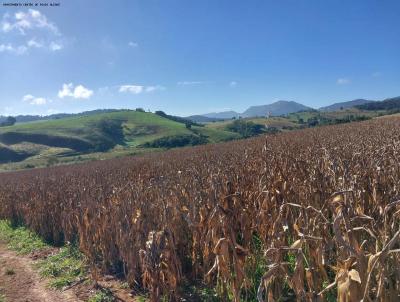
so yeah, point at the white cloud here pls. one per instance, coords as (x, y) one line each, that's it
(4, 47)
(133, 44)
(66, 91)
(30, 24)
(38, 101)
(28, 97)
(35, 100)
(343, 81)
(6, 27)
(78, 92)
(233, 84)
(54, 46)
(135, 89)
(81, 92)
(189, 83)
(155, 88)
(18, 50)
(34, 43)
(23, 21)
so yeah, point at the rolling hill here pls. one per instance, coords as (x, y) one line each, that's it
(99, 133)
(56, 116)
(345, 105)
(391, 104)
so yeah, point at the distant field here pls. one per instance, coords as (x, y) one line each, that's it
(100, 136)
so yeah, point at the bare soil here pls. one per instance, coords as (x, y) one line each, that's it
(19, 282)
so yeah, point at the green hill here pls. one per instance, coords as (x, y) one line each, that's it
(97, 136)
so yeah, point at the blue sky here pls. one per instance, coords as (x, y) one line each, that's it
(189, 57)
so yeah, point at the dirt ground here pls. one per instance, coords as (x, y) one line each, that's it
(20, 283)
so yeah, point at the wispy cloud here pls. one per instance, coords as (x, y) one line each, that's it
(190, 83)
(138, 89)
(24, 21)
(135, 89)
(343, 81)
(54, 46)
(133, 44)
(18, 50)
(34, 44)
(32, 100)
(77, 92)
(233, 84)
(30, 24)
(155, 88)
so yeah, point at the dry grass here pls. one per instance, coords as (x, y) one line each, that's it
(312, 212)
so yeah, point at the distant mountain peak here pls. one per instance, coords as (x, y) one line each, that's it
(280, 107)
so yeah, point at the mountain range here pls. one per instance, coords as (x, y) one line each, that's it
(282, 108)
(274, 109)
(345, 105)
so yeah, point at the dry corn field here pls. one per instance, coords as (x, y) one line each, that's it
(309, 215)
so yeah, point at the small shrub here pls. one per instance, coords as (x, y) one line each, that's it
(104, 295)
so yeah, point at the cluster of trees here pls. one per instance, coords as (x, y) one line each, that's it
(246, 128)
(111, 134)
(9, 121)
(177, 141)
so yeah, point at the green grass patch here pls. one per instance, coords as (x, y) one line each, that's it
(63, 268)
(20, 239)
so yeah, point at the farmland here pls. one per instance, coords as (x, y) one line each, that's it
(92, 137)
(306, 215)
(99, 135)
